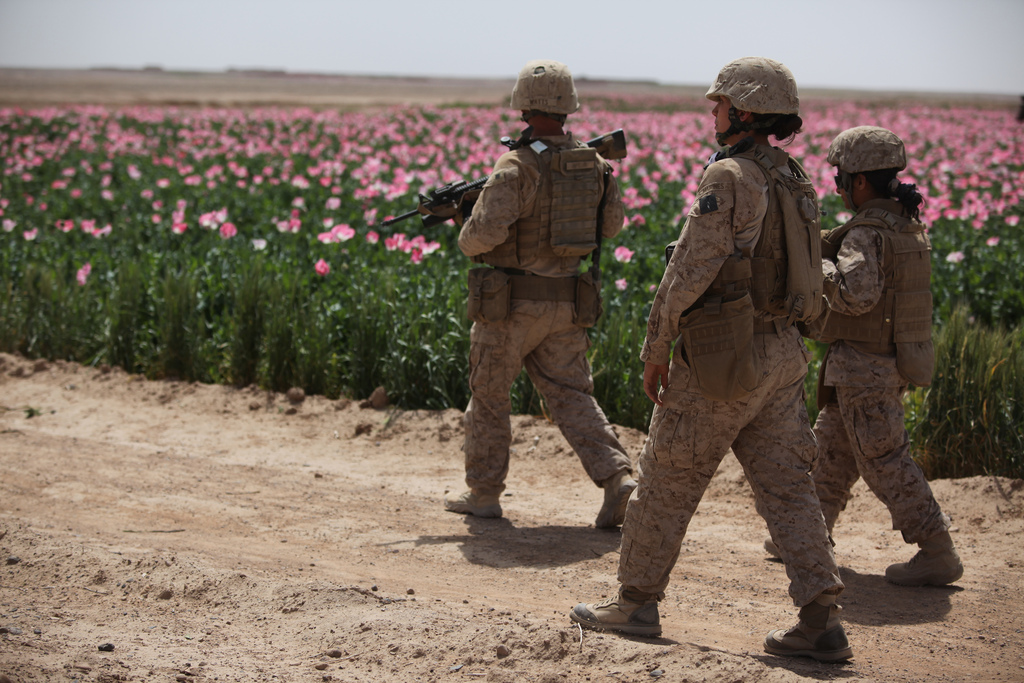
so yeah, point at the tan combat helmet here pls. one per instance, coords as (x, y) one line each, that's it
(757, 84)
(867, 148)
(545, 85)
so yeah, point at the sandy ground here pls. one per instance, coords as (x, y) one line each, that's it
(213, 533)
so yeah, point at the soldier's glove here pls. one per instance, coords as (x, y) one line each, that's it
(442, 211)
(466, 203)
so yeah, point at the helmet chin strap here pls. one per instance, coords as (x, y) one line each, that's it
(735, 126)
(846, 185)
(738, 126)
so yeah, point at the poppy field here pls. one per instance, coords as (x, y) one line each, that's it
(244, 247)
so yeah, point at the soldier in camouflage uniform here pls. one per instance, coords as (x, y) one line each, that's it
(767, 427)
(536, 217)
(880, 334)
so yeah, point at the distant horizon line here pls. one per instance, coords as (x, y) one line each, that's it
(814, 90)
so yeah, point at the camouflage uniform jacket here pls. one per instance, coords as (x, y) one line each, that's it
(726, 217)
(860, 279)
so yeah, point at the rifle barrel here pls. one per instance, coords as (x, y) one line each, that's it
(396, 219)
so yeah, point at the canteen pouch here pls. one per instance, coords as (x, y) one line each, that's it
(588, 301)
(490, 295)
(718, 339)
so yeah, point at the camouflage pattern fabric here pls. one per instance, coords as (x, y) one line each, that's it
(770, 436)
(867, 148)
(862, 434)
(689, 435)
(537, 335)
(541, 336)
(509, 194)
(725, 218)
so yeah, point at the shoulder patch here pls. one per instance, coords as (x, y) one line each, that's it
(708, 204)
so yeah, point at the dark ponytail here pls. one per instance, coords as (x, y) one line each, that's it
(885, 184)
(781, 126)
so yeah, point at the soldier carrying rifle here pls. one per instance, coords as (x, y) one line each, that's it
(546, 206)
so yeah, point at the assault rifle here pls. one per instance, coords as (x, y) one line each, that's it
(440, 204)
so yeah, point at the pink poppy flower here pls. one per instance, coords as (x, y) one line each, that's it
(992, 241)
(30, 234)
(102, 232)
(322, 268)
(259, 245)
(333, 203)
(228, 230)
(179, 228)
(955, 257)
(83, 274)
(623, 254)
(343, 233)
(620, 285)
(372, 237)
(9, 225)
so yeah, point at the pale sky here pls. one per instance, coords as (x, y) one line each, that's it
(969, 46)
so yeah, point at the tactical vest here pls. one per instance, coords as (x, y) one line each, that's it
(771, 277)
(905, 306)
(901, 321)
(563, 223)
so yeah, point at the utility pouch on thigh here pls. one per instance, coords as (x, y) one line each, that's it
(719, 343)
(490, 295)
(588, 301)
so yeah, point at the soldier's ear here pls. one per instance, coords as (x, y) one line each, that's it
(745, 116)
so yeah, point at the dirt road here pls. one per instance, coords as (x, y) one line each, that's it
(209, 533)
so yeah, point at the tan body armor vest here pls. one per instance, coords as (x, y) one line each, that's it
(563, 223)
(901, 321)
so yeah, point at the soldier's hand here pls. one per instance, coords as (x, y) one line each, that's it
(655, 375)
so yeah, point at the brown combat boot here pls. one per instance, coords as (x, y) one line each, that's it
(935, 564)
(617, 489)
(630, 611)
(818, 634)
(474, 503)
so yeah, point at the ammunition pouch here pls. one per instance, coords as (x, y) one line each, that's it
(491, 291)
(490, 295)
(588, 300)
(718, 339)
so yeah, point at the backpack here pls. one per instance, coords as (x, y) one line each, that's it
(798, 293)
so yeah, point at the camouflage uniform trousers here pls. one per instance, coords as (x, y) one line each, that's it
(862, 435)
(770, 434)
(540, 335)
